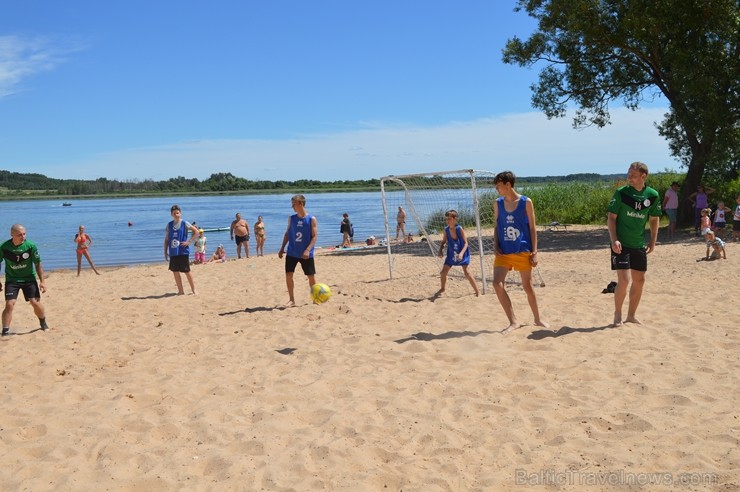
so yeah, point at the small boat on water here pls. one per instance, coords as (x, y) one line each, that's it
(215, 229)
(66, 204)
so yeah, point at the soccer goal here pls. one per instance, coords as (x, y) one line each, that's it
(414, 207)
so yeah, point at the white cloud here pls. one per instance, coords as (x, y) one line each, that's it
(21, 58)
(526, 143)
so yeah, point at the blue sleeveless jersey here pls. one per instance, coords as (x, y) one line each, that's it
(299, 236)
(454, 246)
(175, 238)
(512, 228)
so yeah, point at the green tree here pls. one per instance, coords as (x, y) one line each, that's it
(598, 51)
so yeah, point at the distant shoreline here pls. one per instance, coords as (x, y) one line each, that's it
(9, 198)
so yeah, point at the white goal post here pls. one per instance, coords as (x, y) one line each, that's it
(425, 198)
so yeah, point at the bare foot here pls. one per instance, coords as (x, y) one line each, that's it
(194, 292)
(632, 319)
(543, 324)
(181, 293)
(439, 292)
(617, 320)
(513, 326)
(289, 304)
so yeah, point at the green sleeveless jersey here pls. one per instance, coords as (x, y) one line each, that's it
(19, 261)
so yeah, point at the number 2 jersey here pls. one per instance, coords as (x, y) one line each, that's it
(299, 235)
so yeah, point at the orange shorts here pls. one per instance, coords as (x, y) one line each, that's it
(515, 261)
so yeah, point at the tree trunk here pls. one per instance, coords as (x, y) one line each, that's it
(694, 175)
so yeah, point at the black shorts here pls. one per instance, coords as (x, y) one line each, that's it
(241, 239)
(736, 225)
(309, 268)
(180, 263)
(630, 259)
(720, 225)
(30, 290)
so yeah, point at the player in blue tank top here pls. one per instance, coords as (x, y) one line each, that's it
(177, 247)
(515, 243)
(300, 238)
(513, 231)
(458, 253)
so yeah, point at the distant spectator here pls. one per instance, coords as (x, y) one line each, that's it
(670, 205)
(200, 247)
(699, 200)
(719, 221)
(260, 235)
(84, 241)
(347, 231)
(240, 231)
(220, 254)
(400, 223)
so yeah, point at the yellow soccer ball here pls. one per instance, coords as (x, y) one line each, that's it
(320, 293)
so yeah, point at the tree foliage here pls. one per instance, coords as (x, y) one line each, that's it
(633, 51)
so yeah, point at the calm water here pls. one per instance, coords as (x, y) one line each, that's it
(52, 226)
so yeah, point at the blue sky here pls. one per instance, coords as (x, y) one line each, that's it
(287, 90)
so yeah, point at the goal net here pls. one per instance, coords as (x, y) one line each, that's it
(422, 200)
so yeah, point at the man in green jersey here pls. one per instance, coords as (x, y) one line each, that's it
(631, 207)
(20, 257)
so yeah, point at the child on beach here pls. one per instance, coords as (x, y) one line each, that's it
(715, 244)
(177, 248)
(736, 221)
(515, 246)
(719, 218)
(705, 222)
(699, 200)
(200, 247)
(220, 254)
(300, 237)
(21, 255)
(458, 253)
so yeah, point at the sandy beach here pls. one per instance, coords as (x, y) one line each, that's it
(381, 388)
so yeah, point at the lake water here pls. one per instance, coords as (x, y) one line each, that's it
(53, 226)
